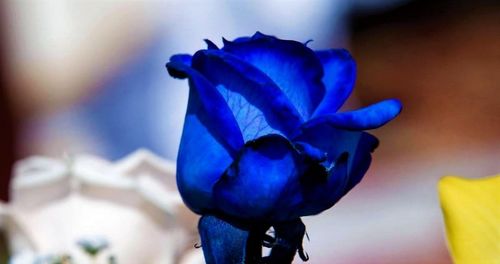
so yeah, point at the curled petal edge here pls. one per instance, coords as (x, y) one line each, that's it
(370, 117)
(339, 78)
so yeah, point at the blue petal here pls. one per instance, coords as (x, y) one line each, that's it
(263, 183)
(181, 58)
(361, 160)
(258, 105)
(223, 124)
(321, 194)
(290, 64)
(331, 140)
(201, 161)
(340, 74)
(209, 126)
(311, 152)
(370, 117)
(349, 156)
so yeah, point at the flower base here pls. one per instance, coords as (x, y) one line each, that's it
(226, 241)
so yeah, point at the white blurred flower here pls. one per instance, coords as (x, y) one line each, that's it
(88, 210)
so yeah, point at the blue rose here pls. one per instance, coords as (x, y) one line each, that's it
(263, 143)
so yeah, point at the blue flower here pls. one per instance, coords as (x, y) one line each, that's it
(262, 139)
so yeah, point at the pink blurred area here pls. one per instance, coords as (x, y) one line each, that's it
(88, 76)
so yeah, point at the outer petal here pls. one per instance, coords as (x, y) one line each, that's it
(184, 59)
(321, 193)
(331, 140)
(361, 159)
(348, 158)
(272, 181)
(222, 122)
(263, 183)
(290, 64)
(259, 106)
(370, 117)
(209, 126)
(340, 74)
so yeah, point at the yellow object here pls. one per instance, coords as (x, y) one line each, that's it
(471, 209)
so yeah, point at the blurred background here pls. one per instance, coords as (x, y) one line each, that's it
(88, 77)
